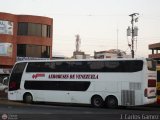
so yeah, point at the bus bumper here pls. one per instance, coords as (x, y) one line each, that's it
(13, 95)
(150, 101)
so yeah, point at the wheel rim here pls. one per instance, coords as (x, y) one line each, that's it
(97, 102)
(111, 102)
(28, 98)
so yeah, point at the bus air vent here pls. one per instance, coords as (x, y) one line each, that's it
(128, 97)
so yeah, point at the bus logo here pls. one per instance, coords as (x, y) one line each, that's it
(152, 91)
(35, 76)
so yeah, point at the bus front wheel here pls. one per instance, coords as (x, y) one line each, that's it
(97, 101)
(27, 98)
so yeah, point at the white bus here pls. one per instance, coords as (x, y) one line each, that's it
(99, 82)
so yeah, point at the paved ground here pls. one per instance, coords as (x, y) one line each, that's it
(51, 111)
(41, 111)
(3, 95)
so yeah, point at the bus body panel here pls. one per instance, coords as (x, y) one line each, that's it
(128, 87)
(108, 87)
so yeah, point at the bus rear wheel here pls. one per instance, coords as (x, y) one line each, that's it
(111, 102)
(27, 98)
(97, 101)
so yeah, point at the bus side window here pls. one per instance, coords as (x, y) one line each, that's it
(133, 66)
(62, 67)
(79, 66)
(96, 66)
(113, 66)
(32, 67)
(40, 67)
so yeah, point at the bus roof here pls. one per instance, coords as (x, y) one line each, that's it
(111, 59)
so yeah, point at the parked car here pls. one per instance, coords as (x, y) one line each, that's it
(5, 81)
(4, 85)
(3, 88)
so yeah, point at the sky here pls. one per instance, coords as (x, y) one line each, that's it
(101, 24)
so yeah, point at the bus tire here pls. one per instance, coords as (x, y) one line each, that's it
(97, 101)
(27, 98)
(111, 102)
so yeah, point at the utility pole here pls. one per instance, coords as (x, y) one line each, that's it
(133, 31)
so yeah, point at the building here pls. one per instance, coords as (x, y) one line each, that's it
(155, 48)
(113, 53)
(80, 55)
(24, 37)
(155, 54)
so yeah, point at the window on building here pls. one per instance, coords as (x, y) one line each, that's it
(29, 51)
(45, 51)
(48, 31)
(34, 29)
(21, 50)
(44, 30)
(22, 28)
